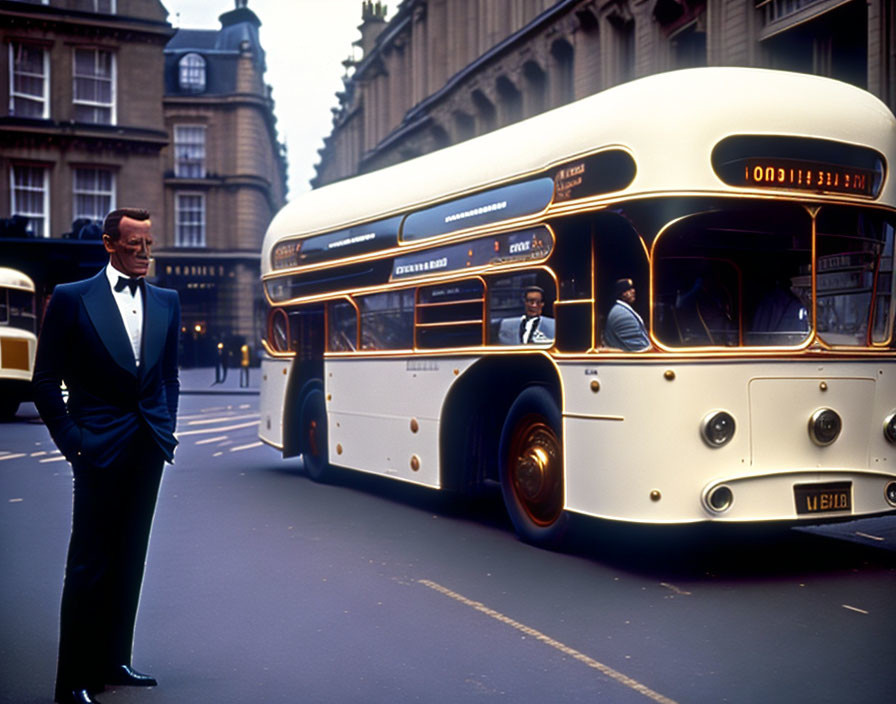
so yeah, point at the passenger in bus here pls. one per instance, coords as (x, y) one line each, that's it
(781, 317)
(532, 327)
(625, 328)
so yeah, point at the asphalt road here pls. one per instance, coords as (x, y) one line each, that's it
(262, 586)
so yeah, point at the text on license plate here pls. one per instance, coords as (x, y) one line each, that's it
(823, 498)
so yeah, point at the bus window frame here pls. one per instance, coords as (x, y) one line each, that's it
(354, 305)
(482, 322)
(869, 344)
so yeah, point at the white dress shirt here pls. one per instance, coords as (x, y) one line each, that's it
(131, 308)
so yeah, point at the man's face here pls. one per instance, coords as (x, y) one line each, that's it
(534, 304)
(629, 295)
(130, 253)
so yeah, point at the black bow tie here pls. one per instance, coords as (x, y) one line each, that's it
(132, 284)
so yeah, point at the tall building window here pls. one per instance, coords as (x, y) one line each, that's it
(94, 193)
(106, 6)
(192, 73)
(94, 86)
(189, 220)
(31, 197)
(29, 68)
(189, 151)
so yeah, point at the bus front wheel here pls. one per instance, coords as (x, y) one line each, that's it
(313, 428)
(531, 468)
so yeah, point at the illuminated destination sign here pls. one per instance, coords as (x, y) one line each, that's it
(808, 176)
(803, 164)
(595, 175)
(524, 245)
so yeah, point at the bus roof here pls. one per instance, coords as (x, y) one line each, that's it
(13, 278)
(669, 123)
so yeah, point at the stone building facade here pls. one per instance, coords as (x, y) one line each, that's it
(224, 179)
(442, 71)
(82, 129)
(108, 106)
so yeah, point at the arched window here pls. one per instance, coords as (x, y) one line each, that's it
(192, 73)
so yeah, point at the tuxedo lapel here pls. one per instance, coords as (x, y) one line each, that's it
(155, 323)
(107, 322)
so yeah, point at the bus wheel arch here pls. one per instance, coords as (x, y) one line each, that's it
(530, 461)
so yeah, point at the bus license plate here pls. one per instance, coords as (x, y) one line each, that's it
(823, 498)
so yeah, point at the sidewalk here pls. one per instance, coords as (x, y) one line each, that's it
(201, 380)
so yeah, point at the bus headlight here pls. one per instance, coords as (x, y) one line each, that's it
(717, 428)
(890, 428)
(824, 426)
(719, 498)
(890, 493)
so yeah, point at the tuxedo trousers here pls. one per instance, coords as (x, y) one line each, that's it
(112, 516)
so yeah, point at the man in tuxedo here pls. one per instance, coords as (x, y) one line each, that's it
(113, 340)
(532, 327)
(625, 328)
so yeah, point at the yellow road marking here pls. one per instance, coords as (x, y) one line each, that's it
(547, 640)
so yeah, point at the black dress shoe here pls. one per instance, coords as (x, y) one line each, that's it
(126, 675)
(77, 696)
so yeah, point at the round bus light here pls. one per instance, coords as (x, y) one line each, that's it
(890, 428)
(717, 428)
(890, 493)
(824, 426)
(719, 499)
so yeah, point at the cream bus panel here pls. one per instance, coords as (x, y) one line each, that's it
(373, 406)
(17, 349)
(640, 433)
(274, 376)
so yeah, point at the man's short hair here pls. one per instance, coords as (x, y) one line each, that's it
(623, 285)
(533, 289)
(113, 220)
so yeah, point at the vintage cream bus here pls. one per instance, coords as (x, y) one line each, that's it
(18, 341)
(753, 212)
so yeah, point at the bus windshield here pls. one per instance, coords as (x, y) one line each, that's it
(17, 309)
(742, 276)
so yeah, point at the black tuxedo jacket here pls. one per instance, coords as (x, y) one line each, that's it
(83, 342)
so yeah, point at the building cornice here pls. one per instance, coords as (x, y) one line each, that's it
(28, 16)
(18, 130)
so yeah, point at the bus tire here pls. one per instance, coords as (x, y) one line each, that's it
(531, 468)
(313, 433)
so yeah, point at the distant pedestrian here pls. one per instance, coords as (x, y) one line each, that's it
(244, 366)
(113, 340)
(220, 365)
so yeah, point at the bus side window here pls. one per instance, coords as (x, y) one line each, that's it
(620, 254)
(507, 309)
(342, 327)
(387, 320)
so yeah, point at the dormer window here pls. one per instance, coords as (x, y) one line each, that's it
(192, 73)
